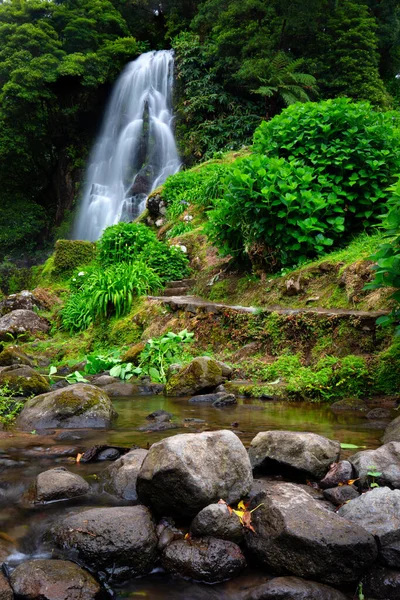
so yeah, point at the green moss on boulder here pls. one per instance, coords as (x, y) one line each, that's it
(70, 254)
(23, 380)
(14, 356)
(201, 375)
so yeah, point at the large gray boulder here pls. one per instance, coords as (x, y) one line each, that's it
(59, 484)
(184, 473)
(24, 300)
(23, 380)
(120, 477)
(378, 512)
(119, 542)
(293, 588)
(381, 583)
(203, 559)
(78, 406)
(306, 454)
(22, 324)
(392, 432)
(6, 592)
(53, 580)
(295, 534)
(203, 374)
(385, 460)
(217, 521)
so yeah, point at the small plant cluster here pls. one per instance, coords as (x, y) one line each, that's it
(131, 262)
(318, 175)
(10, 405)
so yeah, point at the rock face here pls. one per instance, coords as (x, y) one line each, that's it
(385, 459)
(203, 559)
(23, 380)
(293, 588)
(304, 454)
(119, 542)
(340, 495)
(295, 534)
(59, 484)
(12, 355)
(77, 406)
(184, 473)
(22, 323)
(203, 374)
(378, 512)
(392, 432)
(216, 521)
(53, 580)
(120, 477)
(22, 301)
(382, 584)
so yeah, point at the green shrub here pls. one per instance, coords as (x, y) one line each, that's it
(169, 262)
(14, 279)
(123, 242)
(353, 147)
(70, 254)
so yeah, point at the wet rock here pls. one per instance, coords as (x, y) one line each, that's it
(375, 414)
(378, 512)
(184, 473)
(120, 477)
(102, 452)
(78, 406)
(381, 583)
(226, 369)
(160, 415)
(157, 426)
(304, 454)
(202, 374)
(150, 389)
(109, 454)
(23, 380)
(385, 459)
(167, 533)
(103, 380)
(22, 324)
(340, 495)
(59, 484)
(6, 592)
(207, 398)
(203, 559)
(53, 580)
(24, 300)
(118, 542)
(155, 205)
(295, 534)
(217, 521)
(120, 389)
(293, 588)
(340, 472)
(349, 404)
(12, 355)
(226, 400)
(392, 432)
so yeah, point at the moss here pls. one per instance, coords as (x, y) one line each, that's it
(386, 370)
(200, 374)
(26, 383)
(70, 254)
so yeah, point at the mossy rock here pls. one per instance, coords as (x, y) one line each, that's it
(133, 353)
(203, 374)
(23, 380)
(70, 254)
(350, 404)
(77, 406)
(14, 356)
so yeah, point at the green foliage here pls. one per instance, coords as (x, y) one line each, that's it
(123, 242)
(70, 254)
(96, 363)
(161, 352)
(10, 406)
(387, 271)
(169, 262)
(14, 279)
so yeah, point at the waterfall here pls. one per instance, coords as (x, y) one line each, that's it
(135, 150)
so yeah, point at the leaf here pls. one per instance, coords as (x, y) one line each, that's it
(52, 370)
(345, 446)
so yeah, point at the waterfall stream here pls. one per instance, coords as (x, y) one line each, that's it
(135, 150)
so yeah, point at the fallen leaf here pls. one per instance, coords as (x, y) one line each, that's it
(78, 457)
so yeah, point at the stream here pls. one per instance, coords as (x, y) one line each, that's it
(24, 455)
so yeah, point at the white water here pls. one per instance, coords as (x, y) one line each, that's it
(135, 151)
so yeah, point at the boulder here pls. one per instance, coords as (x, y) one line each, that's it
(297, 453)
(377, 414)
(293, 588)
(22, 324)
(381, 583)
(53, 580)
(295, 534)
(120, 477)
(349, 405)
(339, 473)
(23, 380)
(217, 521)
(120, 389)
(226, 400)
(203, 374)
(385, 460)
(118, 542)
(12, 355)
(24, 300)
(378, 512)
(184, 473)
(207, 398)
(59, 484)
(392, 432)
(203, 559)
(133, 353)
(6, 592)
(79, 406)
(341, 494)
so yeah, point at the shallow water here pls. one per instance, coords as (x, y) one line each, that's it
(24, 455)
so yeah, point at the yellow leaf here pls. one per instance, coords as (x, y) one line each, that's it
(78, 457)
(241, 505)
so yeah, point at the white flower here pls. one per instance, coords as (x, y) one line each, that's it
(81, 274)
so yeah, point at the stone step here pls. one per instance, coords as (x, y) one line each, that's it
(181, 283)
(178, 291)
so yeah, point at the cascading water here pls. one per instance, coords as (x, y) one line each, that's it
(135, 151)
